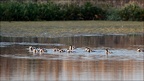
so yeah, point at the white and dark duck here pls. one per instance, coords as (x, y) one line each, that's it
(31, 48)
(88, 49)
(42, 50)
(35, 50)
(139, 50)
(70, 49)
(107, 51)
(55, 49)
(58, 50)
(61, 50)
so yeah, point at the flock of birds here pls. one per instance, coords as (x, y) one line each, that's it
(70, 49)
(35, 50)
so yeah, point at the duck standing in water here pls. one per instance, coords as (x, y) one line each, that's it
(31, 48)
(139, 50)
(107, 51)
(55, 49)
(87, 49)
(70, 49)
(44, 49)
(58, 50)
(41, 51)
(61, 50)
(35, 51)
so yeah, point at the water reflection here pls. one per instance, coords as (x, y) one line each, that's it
(24, 69)
(116, 41)
(16, 63)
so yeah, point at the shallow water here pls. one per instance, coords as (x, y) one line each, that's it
(125, 63)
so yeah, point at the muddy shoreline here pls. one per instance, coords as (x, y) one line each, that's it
(69, 35)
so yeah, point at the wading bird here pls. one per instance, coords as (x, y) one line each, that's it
(107, 51)
(70, 49)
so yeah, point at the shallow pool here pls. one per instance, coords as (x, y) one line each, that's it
(124, 63)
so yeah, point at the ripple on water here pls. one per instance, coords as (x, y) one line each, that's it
(5, 44)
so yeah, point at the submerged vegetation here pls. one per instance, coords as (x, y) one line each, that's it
(31, 11)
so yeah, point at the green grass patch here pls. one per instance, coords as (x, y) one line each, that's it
(68, 28)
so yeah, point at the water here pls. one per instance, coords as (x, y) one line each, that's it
(125, 63)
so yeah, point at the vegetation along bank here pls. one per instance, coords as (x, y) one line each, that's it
(32, 11)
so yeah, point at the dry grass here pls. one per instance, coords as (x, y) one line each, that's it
(68, 28)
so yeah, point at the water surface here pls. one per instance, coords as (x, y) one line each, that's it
(125, 63)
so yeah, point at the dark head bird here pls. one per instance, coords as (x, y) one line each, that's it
(138, 50)
(44, 49)
(70, 47)
(69, 51)
(31, 48)
(55, 49)
(41, 51)
(107, 51)
(87, 49)
(61, 50)
(35, 50)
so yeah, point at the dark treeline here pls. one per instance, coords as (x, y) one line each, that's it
(30, 11)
